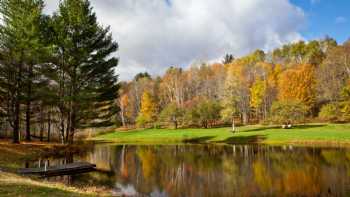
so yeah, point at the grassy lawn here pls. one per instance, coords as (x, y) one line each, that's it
(322, 134)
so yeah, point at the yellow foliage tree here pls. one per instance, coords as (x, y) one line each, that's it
(148, 112)
(264, 89)
(257, 94)
(298, 84)
(273, 76)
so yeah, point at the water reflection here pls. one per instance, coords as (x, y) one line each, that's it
(209, 170)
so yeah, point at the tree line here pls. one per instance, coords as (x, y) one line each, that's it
(56, 71)
(297, 82)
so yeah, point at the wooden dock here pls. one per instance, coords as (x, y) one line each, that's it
(67, 169)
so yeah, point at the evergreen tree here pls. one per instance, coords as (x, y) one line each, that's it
(20, 47)
(229, 58)
(88, 84)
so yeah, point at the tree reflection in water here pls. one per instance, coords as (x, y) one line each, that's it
(215, 170)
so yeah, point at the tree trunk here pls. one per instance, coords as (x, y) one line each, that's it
(28, 104)
(73, 106)
(69, 121)
(175, 124)
(62, 130)
(62, 95)
(28, 138)
(68, 127)
(123, 118)
(205, 124)
(17, 105)
(16, 123)
(72, 128)
(41, 124)
(233, 124)
(245, 118)
(49, 127)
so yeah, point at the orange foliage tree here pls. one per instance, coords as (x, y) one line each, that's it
(298, 84)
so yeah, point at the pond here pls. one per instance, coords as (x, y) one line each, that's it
(217, 170)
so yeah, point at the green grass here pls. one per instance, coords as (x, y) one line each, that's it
(13, 185)
(323, 134)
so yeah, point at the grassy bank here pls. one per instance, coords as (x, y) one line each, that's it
(13, 185)
(14, 156)
(315, 134)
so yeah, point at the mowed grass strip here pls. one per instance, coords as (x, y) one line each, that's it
(301, 134)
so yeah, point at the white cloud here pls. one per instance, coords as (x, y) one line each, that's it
(154, 34)
(340, 20)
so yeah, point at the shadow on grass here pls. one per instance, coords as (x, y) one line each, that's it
(279, 127)
(244, 139)
(262, 129)
(308, 126)
(198, 140)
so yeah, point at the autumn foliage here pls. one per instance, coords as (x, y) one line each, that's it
(148, 112)
(290, 84)
(298, 84)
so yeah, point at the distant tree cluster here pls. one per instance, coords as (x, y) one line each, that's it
(291, 84)
(56, 72)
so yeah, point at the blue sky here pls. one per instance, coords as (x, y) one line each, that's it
(326, 17)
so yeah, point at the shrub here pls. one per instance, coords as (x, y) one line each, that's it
(331, 112)
(203, 114)
(191, 116)
(141, 121)
(172, 114)
(208, 110)
(288, 112)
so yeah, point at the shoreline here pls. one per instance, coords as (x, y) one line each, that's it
(314, 135)
(310, 143)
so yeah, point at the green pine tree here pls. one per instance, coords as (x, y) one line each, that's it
(85, 66)
(20, 48)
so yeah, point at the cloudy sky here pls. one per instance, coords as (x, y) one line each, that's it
(156, 34)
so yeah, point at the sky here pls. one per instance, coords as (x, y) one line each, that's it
(156, 34)
(326, 17)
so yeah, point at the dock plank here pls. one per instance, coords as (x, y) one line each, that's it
(67, 169)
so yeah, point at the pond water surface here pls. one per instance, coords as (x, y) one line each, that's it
(217, 170)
